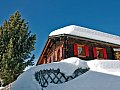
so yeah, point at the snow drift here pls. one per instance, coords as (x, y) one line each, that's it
(103, 75)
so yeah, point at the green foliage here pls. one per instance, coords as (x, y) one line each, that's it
(16, 44)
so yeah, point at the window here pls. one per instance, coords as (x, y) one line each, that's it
(49, 59)
(100, 53)
(58, 55)
(81, 51)
(52, 60)
(117, 55)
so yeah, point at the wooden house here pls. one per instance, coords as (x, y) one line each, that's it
(84, 43)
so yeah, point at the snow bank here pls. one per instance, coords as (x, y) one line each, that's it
(91, 80)
(103, 75)
(27, 79)
(87, 33)
(105, 66)
(67, 66)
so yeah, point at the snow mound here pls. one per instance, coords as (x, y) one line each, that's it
(105, 66)
(103, 75)
(27, 81)
(91, 80)
(67, 66)
(87, 33)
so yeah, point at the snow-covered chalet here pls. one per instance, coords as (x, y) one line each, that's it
(84, 43)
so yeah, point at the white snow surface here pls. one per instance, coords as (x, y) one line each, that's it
(1, 88)
(103, 75)
(87, 33)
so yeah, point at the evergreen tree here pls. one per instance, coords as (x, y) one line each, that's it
(16, 44)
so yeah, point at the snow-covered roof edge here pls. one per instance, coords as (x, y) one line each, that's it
(87, 33)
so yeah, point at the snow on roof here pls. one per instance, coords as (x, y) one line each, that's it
(87, 33)
(103, 75)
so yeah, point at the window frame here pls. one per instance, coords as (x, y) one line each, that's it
(83, 47)
(100, 49)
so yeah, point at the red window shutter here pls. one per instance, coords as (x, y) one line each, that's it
(61, 52)
(95, 52)
(105, 54)
(75, 50)
(87, 51)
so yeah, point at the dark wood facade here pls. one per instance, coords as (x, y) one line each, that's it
(64, 46)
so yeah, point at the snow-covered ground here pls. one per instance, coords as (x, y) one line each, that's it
(103, 75)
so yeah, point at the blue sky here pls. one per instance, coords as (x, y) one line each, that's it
(45, 16)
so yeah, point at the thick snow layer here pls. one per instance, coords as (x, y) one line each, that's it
(87, 33)
(103, 75)
(105, 66)
(27, 81)
(91, 80)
